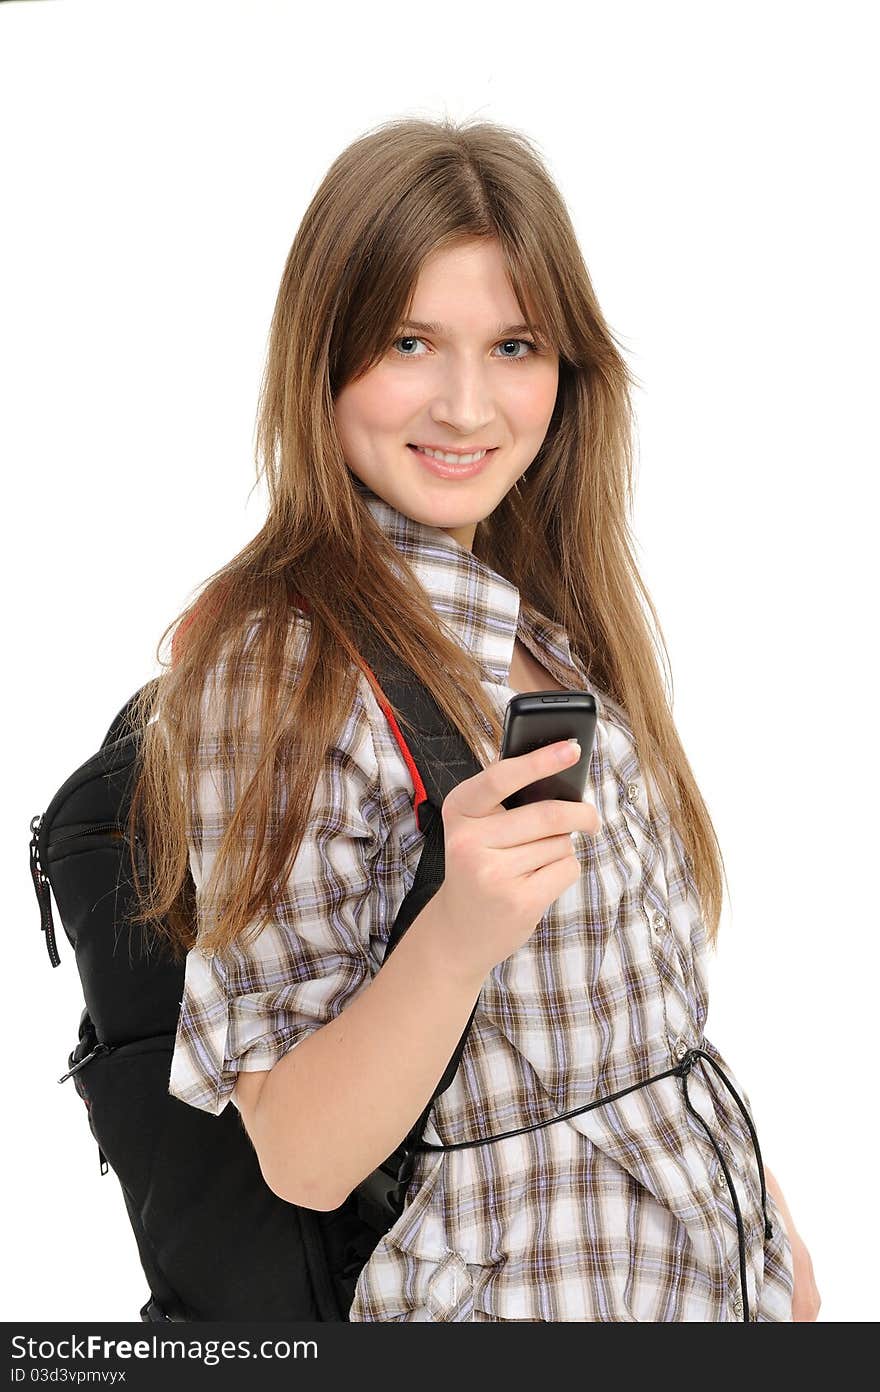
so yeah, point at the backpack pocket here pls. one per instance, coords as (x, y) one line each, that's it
(120, 1085)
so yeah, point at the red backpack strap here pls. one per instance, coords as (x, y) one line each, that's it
(420, 794)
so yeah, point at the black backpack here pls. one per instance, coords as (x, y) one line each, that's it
(214, 1241)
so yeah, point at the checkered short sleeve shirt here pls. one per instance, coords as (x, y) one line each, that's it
(623, 1212)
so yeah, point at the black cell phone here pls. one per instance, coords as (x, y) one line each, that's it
(535, 718)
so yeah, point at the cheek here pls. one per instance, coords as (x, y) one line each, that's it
(385, 400)
(530, 401)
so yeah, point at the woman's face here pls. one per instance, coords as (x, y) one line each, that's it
(471, 382)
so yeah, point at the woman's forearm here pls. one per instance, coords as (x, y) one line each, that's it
(333, 1108)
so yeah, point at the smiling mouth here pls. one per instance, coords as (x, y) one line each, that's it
(451, 456)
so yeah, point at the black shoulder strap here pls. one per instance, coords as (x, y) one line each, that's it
(443, 759)
(120, 726)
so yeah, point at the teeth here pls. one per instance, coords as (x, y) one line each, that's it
(453, 458)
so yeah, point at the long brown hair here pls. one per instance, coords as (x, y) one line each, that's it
(398, 193)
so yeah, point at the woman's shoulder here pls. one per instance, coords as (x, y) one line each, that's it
(365, 761)
(365, 751)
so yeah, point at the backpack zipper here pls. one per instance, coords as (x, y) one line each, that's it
(88, 831)
(93, 1053)
(41, 888)
(98, 1050)
(41, 882)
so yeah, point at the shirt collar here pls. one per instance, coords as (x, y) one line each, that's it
(482, 610)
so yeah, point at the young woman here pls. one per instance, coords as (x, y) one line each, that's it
(435, 312)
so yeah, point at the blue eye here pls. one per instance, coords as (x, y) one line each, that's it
(408, 339)
(528, 344)
(520, 357)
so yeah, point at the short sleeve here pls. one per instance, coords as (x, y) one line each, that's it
(242, 1010)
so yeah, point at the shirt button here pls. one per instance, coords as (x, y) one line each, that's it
(737, 1306)
(720, 1181)
(632, 791)
(680, 1047)
(207, 952)
(658, 923)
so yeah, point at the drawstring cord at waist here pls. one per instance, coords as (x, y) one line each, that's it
(681, 1070)
(685, 1068)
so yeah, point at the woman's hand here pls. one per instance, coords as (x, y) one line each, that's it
(805, 1299)
(506, 865)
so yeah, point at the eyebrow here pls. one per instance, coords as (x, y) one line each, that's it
(424, 327)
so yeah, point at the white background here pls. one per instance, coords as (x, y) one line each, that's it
(719, 163)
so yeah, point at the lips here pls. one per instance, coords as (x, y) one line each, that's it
(441, 469)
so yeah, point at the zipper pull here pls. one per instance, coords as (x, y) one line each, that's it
(41, 888)
(93, 1053)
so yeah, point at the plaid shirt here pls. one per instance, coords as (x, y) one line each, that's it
(621, 1213)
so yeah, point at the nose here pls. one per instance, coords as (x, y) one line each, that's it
(464, 400)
